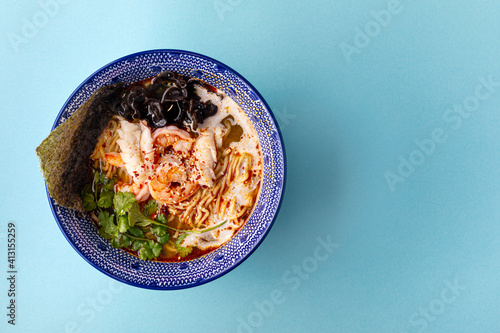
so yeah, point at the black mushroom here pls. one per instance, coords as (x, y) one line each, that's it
(174, 94)
(173, 113)
(166, 76)
(168, 98)
(136, 99)
(154, 114)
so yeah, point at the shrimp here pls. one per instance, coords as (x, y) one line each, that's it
(170, 184)
(114, 159)
(180, 140)
(140, 190)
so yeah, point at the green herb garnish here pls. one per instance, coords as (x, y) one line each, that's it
(124, 225)
(150, 250)
(150, 207)
(182, 250)
(123, 202)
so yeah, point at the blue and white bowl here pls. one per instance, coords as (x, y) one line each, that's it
(81, 232)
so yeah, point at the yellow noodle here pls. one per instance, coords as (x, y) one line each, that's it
(107, 144)
(232, 207)
(195, 211)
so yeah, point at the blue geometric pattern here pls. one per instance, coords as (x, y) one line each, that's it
(81, 232)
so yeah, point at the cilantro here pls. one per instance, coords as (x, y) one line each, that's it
(105, 198)
(115, 242)
(137, 245)
(123, 202)
(134, 231)
(161, 233)
(156, 248)
(107, 183)
(125, 240)
(107, 223)
(101, 181)
(150, 207)
(149, 250)
(88, 198)
(120, 218)
(161, 218)
(88, 202)
(105, 234)
(123, 223)
(181, 250)
(97, 177)
(120, 241)
(159, 230)
(99, 193)
(146, 252)
(163, 239)
(180, 239)
(135, 216)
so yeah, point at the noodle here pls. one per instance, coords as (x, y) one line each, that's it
(198, 179)
(107, 144)
(195, 211)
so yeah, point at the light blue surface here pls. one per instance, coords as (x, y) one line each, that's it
(424, 257)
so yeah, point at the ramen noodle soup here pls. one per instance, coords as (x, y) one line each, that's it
(176, 171)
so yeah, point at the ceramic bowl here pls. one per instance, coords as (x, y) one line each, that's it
(81, 232)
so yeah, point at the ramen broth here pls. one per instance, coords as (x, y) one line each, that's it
(203, 177)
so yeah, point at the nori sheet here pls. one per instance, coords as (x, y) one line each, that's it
(64, 154)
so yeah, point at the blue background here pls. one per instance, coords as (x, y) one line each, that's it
(417, 253)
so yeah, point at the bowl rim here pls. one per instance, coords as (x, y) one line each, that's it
(283, 183)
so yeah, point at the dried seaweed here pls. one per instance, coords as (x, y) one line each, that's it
(64, 154)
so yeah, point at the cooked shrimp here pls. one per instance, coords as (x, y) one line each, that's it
(171, 170)
(178, 139)
(140, 190)
(170, 184)
(114, 159)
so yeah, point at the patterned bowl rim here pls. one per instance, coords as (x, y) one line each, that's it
(282, 189)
